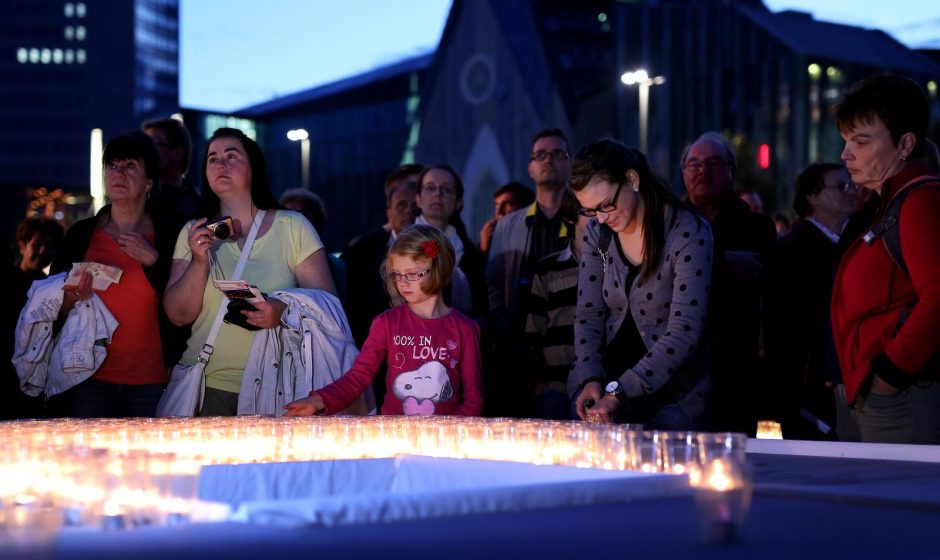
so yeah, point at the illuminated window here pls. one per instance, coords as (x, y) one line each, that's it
(932, 88)
(80, 9)
(57, 56)
(45, 56)
(80, 32)
(69, 9)
(602, 17)
(213, 122)
(22, 55)
(69, 32)
(80, 56)
(34, 55)
(69, 56)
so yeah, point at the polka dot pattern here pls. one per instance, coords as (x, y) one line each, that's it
(668, 307)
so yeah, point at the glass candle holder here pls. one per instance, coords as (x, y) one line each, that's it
(722, 488)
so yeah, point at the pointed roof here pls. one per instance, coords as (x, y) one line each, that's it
(293, 101)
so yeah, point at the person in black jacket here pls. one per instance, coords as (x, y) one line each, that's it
(797, 329)
(127, 235)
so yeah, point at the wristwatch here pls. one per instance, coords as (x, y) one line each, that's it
(614, 389)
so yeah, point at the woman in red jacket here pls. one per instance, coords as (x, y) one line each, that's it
(885, 319)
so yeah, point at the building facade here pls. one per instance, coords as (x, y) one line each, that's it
(505, 69)
(67, 68)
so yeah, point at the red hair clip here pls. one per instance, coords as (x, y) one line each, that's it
(430, 249)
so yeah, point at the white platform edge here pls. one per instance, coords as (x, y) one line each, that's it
(847, 450)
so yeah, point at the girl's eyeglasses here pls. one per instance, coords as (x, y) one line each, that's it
(408, 277)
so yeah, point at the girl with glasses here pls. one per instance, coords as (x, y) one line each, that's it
(432, 352)
(643, 291)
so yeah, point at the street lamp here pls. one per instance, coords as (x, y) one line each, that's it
(642, 79)
(304, 138)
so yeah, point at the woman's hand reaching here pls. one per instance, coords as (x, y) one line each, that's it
(587, 398)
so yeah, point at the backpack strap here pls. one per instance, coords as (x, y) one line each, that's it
(887, 229)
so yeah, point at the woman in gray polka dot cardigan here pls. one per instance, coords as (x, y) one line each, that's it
(642, 295)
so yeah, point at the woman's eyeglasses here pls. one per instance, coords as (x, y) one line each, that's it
(603, 208)
(408, 277)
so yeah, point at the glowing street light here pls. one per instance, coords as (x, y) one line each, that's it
(303, 137)
(96, 175)
(642, 79)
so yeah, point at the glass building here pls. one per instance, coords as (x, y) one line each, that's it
(67, 68)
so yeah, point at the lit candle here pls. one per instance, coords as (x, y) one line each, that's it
(722, 495)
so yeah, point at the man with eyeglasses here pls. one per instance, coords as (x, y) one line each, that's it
(743, 241)
(798, 338)
(521, 239)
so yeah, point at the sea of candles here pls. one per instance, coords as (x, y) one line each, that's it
(126, 472)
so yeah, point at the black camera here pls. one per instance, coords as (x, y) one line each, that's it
(234, 315)
(221, 228)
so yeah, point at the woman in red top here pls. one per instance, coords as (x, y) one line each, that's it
(124, 235)
(886, 320)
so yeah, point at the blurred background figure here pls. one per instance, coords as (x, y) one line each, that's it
(753, 201)
(440, 198)
(173, 201)
(312, 207)
(508, 198)
(37, 240)
(174, 198)
(932, 157)
(797, 331)
(782, 223)
(744, 240)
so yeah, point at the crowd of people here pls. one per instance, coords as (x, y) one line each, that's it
(601, 295)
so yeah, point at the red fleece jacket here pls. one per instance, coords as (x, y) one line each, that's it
(871, 293)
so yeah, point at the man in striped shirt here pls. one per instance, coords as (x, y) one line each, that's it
(550, 318)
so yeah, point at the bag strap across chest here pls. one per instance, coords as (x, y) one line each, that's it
(887, 229)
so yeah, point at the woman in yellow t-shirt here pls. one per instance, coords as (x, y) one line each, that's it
(287, 253)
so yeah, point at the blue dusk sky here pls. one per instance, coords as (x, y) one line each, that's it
(235, 53)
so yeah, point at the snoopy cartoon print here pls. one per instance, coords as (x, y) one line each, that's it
(418, 390)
